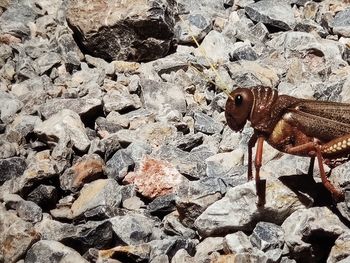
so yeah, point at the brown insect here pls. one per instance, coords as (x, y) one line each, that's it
(316, 129)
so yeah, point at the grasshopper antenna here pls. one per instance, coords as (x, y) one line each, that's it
(221, 85)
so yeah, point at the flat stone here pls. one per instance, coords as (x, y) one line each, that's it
(9, 105)
(238, 209)
(194, 25)
(173, 226)
(137, 253)
(237, 243)
(24, 124)
(104, 193)
(44, 195)
(207, 247)
(277, 14)
(63, 127)
(155, 178)
(44, 249)
(182, 256)
(105, 147)
(11, 168)
(341, 23)
(206, 124)
(189, 141)
(140, 18)
(88, 168)
(162, 205)
(306, 225)
(243, 51)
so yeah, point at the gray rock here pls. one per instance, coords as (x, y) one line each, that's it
(105, 147)
(133, 203)
(206, 124)
(104, 126)
(29, 211)
(46, 62)
(237, 243)
(267, 236)
(62, 128)
(195, 25)
(182, 256)
(16, 18)
(169, 246)
(133, 228)
(137, 150)
(173, 226)
(158, 96)
(306, 227)
(196, 196)
(86, 108)
(238, 209)
(162, 205)
(119, 165)
(341, 23)
(225, 164)
(9, 105)
(103, 193)
(277, 14)
(57, 252)
(11, 168)
(189, 141)
(24, 124)
(207, 247)
(340, 252)
(44, 195)
(147, 44)
(243, 51)
(308, 25)
(274, 255)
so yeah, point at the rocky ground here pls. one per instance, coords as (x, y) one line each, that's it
(114, 145)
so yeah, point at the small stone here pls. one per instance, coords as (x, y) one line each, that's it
(154, 178)
(138, 253)
(133, 203)
(9, 105)
(118, 118)
(88, 168)
(207, 247)
(119, 165)
(237, 243)
(11, 168)
(105, 147)
(277, 14)
(44, 249)
(189, 141)
(24, 124)
(267, 236)
(182, 256)
(206, 124)
(169, 246)
(64, 127)
(119, 99)
(341, 23)
(47, 61)
(242, 51)
(29, 211)
(104, 193)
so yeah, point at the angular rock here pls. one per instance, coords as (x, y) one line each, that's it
(158, 96)
(173, 226)
(182, 256)
(132, 228)
(238, 209)
(341, 23)
(9, 105)
(102, 193)
(16, 236)
(340, 252)
(88, 168)
(44, 196)
(24, 124)
(62, 128)
(57, 252)
(104, 126)
(195, 196)
(136, 31)
(11, 168)
(207, 247)
(105, 147)
(206, 124)
(237, 243)
(189, 141)
(195, 25)
(137, 253)
(155, 178)
(84, 107)
(29, 211)
(267, 236)
(7, 149)
(162, 205)
(243, 52)
(305, 230)
(119, 99)
(119, 165)
(277, 14)
(50, 229)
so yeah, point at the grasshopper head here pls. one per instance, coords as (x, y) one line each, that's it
(238, 108)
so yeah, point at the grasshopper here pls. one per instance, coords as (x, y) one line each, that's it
(316, 129)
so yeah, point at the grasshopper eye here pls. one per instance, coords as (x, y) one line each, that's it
(238, 100)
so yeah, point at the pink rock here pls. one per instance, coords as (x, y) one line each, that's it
(155, 178)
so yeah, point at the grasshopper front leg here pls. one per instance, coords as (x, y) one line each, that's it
(259, 184)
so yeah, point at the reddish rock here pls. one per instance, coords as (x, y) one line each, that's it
(155, 178)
